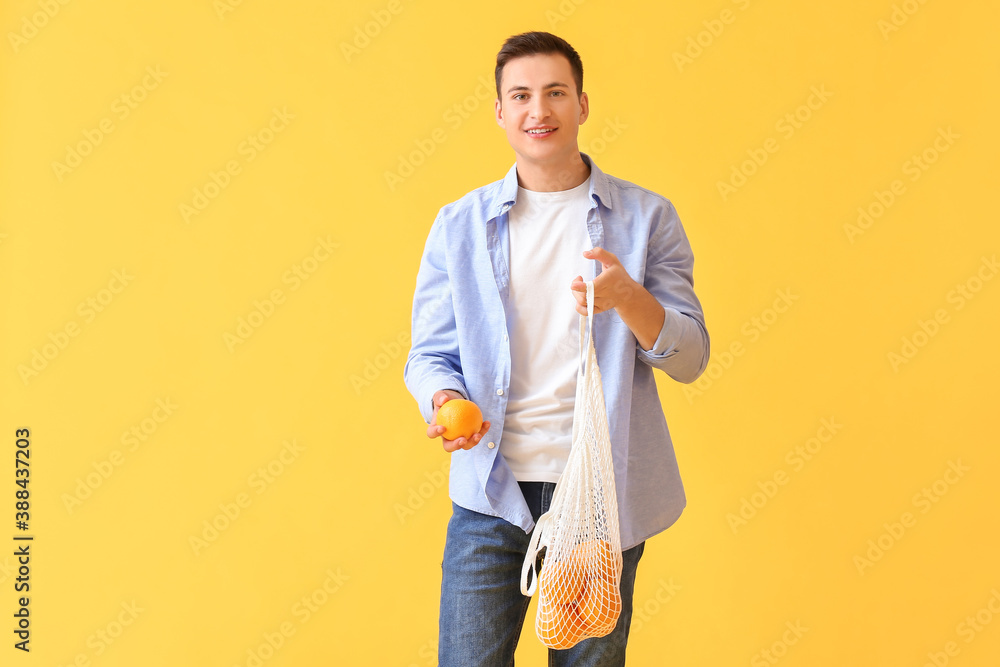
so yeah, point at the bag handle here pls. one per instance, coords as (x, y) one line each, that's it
(534, 547)
(585, 344)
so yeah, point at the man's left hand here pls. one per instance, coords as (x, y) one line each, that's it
(613, 287)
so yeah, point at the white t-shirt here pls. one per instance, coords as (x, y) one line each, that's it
(548, 234)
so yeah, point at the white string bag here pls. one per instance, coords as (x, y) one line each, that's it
(580, 578)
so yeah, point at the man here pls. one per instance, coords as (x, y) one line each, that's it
(496, 321)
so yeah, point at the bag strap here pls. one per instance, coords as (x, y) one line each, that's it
(586, 342)
(585, 345)
(534, 547)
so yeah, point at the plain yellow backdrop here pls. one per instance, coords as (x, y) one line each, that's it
(211, 217)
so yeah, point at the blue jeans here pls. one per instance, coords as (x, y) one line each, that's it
(482, 608)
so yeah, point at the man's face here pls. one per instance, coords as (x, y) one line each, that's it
(538, 93)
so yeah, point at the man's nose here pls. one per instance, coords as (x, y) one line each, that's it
(540, 108)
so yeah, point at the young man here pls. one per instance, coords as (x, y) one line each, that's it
(499, 293)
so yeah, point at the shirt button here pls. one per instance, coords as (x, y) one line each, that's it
(499, 392)
(505, 338)
(491, 445)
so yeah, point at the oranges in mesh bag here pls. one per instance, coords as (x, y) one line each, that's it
(579, 595)
(600, 606)
(559, 625)
(562, 581)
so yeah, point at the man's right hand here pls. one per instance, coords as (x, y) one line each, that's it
(435, 430)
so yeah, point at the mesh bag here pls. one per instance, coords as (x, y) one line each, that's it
(578, 537)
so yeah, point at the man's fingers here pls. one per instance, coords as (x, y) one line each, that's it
(458, 443)
(601, 255)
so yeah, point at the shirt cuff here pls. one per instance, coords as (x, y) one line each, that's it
(432, 388)
(664, 342)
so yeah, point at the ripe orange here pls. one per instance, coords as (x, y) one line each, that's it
(600, 606)
(460, 418)
(598, 555)
(560, 625)
(562, 581)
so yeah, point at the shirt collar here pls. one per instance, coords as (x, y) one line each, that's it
(507, 196)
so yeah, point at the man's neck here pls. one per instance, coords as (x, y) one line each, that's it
(549, 178)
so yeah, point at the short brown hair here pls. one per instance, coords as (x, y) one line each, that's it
(530, 43)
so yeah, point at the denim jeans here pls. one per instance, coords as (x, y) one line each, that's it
(482, 608)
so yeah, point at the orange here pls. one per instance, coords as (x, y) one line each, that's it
(600, 606)
(598, 555)
(460, 418)
(559, 625)
(561, 581)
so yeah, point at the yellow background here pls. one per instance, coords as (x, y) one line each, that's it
(359, 504)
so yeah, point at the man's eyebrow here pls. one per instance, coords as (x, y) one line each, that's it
(554, 84)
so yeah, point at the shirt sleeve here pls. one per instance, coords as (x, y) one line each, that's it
(682, 348)
(433, 362)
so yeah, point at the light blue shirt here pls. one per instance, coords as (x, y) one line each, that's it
(460, 341)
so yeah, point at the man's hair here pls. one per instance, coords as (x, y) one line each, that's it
(531, 43)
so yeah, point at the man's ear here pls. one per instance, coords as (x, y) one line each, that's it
(584, 108)
(498, 112)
